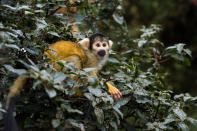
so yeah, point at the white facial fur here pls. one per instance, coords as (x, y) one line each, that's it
(102, 46)
(98, 46)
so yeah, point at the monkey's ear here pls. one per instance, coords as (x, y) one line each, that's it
(85, 43)
(110, 43)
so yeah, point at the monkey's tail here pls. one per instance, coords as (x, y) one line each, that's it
(10, 122)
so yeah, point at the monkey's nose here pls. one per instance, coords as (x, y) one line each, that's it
(101, 53)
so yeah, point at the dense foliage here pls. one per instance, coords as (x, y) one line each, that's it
(178, 20)
(135, 67)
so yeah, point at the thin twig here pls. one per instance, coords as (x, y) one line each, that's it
(157, 110)
(53, 12)
(71, 98)
(162, 61)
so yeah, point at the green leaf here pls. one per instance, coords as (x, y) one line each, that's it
(108, 99)
(113, 60)
(41, 24)
(95, 91)
(75, 124)
(28, 13)
(141, 116)
(188, 52)
(11, 7)
(118, 111)
(25, 7)
(89, 69)
(180, 47)
(123, 101)
(53, 33)
(70, 109)
(59, 77)
(38, 82)
(1, 111)
(40, 5)
(141, 92)
(141, 43)
(99, 115)
(141, 99)
(114, 125)
(183, 127)
(45, 75)
(89, 96)
(171, 47)
(193, 121)
(169, 120)
(12, 46)
(51, 92)
(180, 113)
(119, 19)
(55, 123)
(18, 71)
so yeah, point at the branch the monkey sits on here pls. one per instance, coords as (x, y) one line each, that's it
(91, 52)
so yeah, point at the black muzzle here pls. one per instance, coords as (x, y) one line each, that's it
(101, 53)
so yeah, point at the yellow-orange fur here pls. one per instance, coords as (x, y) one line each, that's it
(68, 51)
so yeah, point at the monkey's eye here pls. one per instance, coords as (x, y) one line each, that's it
(98, 45)
(104, 44)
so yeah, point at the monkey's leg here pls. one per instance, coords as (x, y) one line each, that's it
(93, 73)
(75, 59)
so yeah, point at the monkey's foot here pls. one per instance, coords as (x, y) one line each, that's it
(115, 93)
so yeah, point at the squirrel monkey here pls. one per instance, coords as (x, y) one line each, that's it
(91, 52)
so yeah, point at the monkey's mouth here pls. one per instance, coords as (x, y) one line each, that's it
(101, 53)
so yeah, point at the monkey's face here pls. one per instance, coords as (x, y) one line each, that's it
(101, 48)
(98, 45)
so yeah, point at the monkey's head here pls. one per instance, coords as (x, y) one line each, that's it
(97, 44)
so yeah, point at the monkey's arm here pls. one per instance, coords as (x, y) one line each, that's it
(115, 93)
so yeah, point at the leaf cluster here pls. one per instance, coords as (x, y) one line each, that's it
(54, 100)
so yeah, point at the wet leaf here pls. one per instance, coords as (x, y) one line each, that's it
(141, 43)
(192, 121)
(188, 52)
(70, 109)
(53, 33)
(76, 124)
(95, 91)
(183, 127)
(55, 123)
(113, 60)
(59, 77)
(51, 92)
(180, 47)
(18, 71)
(89, 69)
(99, 115)
(114, 125)
(12, 46)
(119, 19)
(180, 113)
(118, 111)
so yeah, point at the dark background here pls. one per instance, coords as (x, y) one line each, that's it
(178, 19)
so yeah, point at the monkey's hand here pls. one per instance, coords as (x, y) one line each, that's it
(115, 93)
